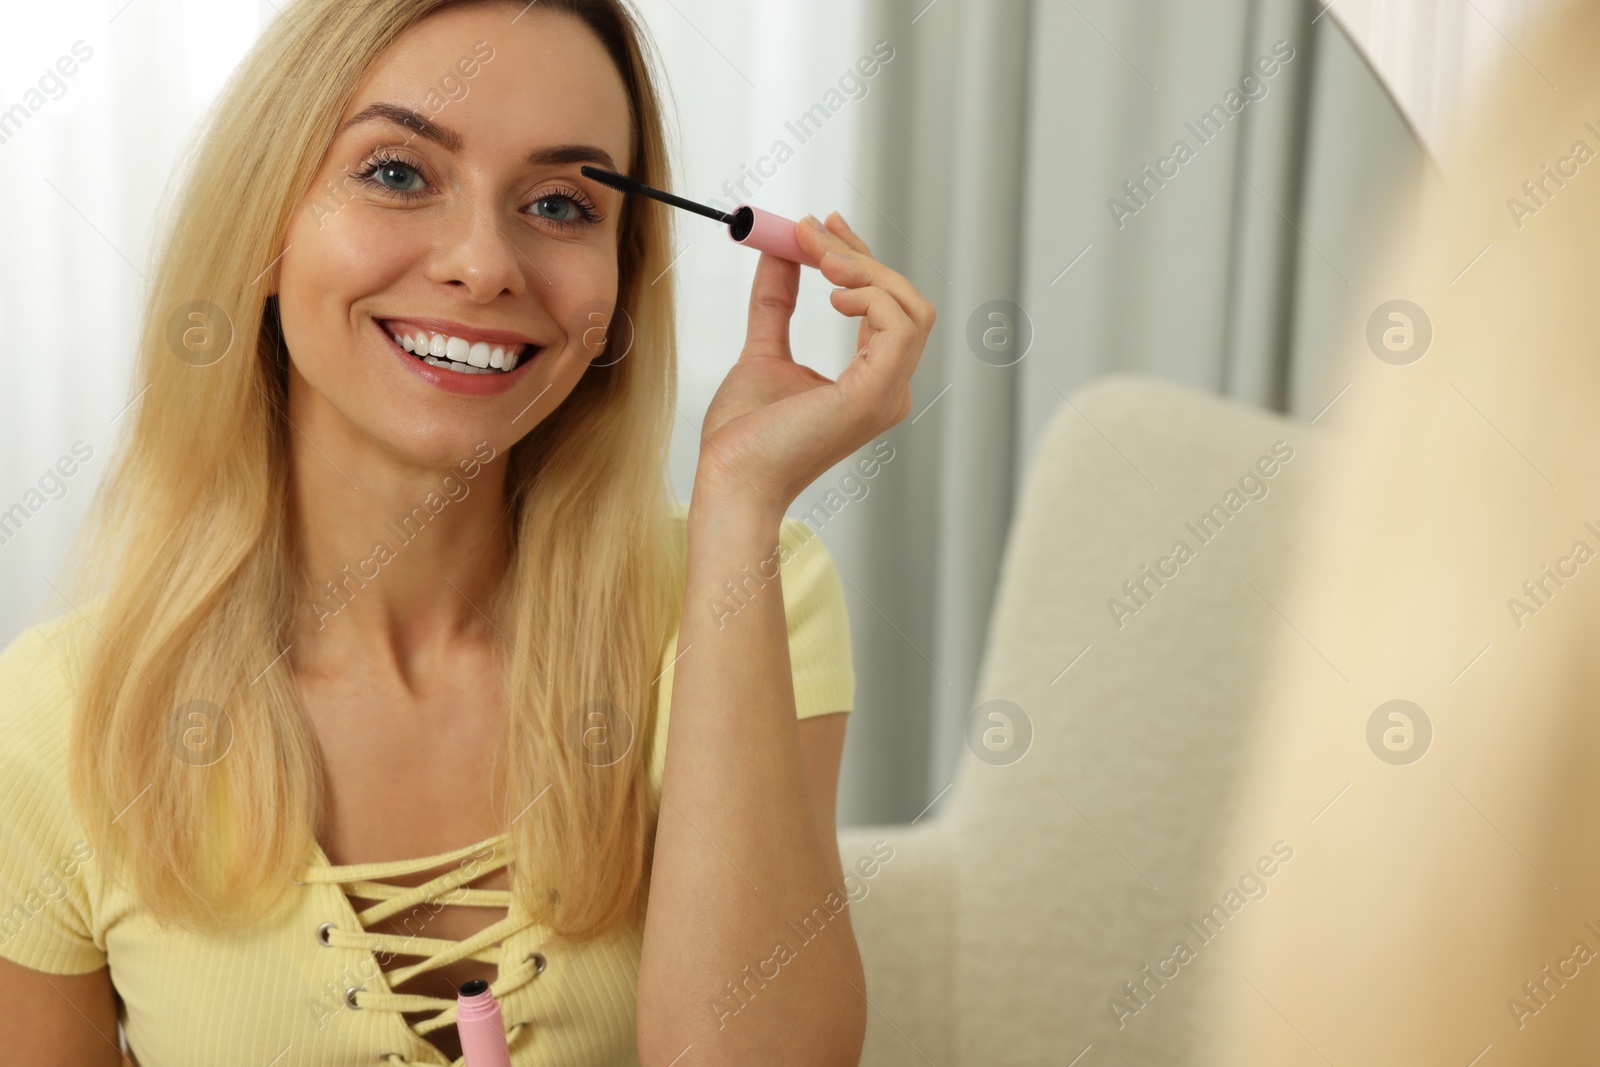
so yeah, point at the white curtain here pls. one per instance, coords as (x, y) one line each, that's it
(95, 101)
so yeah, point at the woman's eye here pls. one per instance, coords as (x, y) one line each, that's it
(398, 176)
(557, 209)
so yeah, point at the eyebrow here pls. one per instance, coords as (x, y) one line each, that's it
(452, 141)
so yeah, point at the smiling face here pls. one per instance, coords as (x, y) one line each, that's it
(442, 270)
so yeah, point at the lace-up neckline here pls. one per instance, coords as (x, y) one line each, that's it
(365, 881)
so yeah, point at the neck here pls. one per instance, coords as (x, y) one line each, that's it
(399, 556)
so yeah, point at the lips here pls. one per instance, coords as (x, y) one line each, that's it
(459, 349)
(470, 361)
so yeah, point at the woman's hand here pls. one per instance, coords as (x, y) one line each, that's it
(774, 425)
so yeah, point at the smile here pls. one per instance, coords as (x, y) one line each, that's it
(460, 354)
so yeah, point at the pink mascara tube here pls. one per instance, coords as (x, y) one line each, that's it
(482, 1031)
(748, 226)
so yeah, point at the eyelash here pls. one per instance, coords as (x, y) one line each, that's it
(591, 214)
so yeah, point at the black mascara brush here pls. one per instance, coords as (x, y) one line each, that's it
(749, 226)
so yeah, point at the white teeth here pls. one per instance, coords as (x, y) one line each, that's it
(459, 354)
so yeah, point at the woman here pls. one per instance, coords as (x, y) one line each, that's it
(389, 594)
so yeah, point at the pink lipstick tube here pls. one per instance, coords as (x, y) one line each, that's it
(482, 1031)
(766, 232)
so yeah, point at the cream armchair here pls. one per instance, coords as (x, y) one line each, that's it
(1052, 887)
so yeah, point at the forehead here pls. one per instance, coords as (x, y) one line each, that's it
(538, 78)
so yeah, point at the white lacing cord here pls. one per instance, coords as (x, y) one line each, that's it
(484, 946)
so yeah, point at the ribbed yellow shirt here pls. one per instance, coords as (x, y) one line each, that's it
(275, 993)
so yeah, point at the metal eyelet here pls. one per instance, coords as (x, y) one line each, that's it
(322, 934)
(538, 961)
(350, 996)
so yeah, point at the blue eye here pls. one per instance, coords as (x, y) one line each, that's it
(400, 173)
(393, 176)
(565, 208)
(560, 202)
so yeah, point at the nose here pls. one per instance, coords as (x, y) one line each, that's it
(477, 254)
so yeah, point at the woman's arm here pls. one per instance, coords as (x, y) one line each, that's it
(821, 752)
(740, 853)
(748, 952)
(56, 1020)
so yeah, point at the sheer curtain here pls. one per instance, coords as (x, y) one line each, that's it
(95, 100)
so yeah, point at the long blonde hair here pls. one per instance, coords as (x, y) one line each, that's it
(1447, 851)
(189, 552)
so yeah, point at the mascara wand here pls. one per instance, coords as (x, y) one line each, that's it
(747, 225)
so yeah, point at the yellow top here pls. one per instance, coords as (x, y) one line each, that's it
(279, 993)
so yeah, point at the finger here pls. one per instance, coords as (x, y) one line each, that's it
(893, 345)
(853, 270)
(772, 299)
(842, 229)
(816, 239)
(878, 306)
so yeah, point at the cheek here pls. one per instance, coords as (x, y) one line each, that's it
(359, 246)
(577, 285)
(336, 256)
(350, 251)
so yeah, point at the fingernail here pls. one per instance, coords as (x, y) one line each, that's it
(811, 220)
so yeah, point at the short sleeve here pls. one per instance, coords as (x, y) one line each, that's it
(818, 623)
(45, 858)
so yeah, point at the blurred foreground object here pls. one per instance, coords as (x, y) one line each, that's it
(1430, 729)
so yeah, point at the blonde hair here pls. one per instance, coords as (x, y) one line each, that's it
(1421, 911)
(189, 550)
